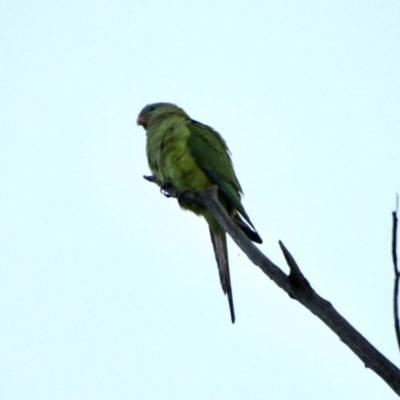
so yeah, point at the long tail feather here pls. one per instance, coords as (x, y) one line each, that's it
(221, 255)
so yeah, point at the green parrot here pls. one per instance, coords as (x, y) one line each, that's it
(190, 155)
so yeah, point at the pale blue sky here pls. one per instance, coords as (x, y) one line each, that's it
(107, 289)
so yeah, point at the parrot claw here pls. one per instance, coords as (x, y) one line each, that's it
(164, 189)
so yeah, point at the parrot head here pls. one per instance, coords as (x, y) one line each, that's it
(155, 111)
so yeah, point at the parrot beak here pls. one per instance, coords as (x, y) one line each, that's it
(141, 121)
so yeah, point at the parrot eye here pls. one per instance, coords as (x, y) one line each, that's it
(151, 108)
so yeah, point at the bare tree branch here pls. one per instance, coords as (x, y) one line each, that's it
(396, 273)
(294, 284)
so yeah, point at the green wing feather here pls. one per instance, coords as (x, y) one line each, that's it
(211, 154)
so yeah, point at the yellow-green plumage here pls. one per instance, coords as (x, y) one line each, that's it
(190, 155)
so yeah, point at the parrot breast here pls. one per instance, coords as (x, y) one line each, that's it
(170, 160)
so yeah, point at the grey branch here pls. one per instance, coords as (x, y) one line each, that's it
(294, 284)
(396, 273)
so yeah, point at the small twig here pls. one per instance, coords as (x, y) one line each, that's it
(396, 273)
(296, 276)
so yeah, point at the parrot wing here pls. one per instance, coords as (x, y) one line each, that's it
(211, 154)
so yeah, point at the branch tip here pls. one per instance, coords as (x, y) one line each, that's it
(396, 273)
(150, 178)
(296, 277)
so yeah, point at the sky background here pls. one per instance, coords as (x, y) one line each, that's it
(107, 289)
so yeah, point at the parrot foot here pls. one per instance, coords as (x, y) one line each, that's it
(164, 189)
(179, 195)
